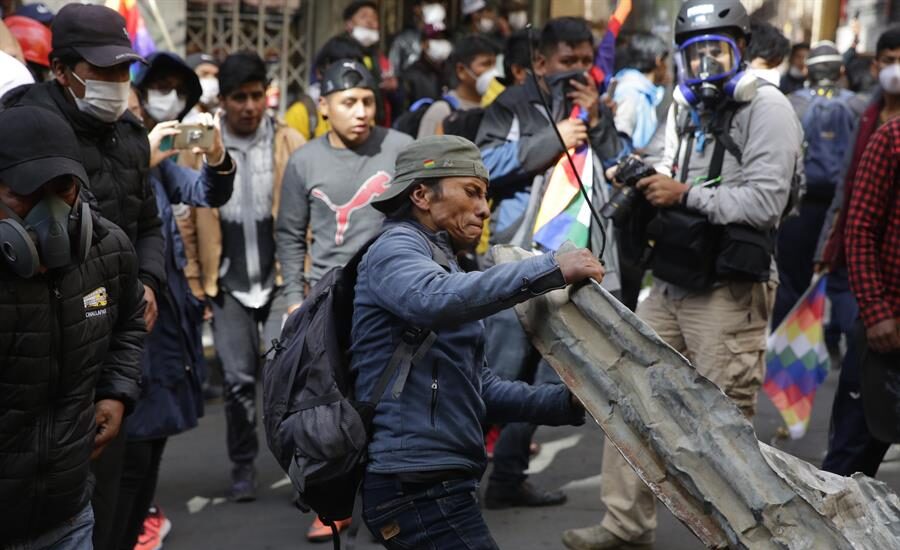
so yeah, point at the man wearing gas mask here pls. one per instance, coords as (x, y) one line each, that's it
(90, 60)
(519, 145)
(71, 333)
(733, 148)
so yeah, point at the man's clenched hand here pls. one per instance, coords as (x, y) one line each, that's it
(579, 265)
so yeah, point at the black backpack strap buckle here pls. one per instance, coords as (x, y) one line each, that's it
(413, 335)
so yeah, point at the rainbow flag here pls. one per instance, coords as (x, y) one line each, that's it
(564, 214)
(141, 40)
(797, 360)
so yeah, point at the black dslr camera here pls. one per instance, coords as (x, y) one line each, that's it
(630, 171)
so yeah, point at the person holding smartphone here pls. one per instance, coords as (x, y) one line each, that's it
(171, 399)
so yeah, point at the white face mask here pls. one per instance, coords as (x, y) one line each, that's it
(485, 24)
(439, 50)
(889, 78)
(433, 14)
(364, 36)
(518, 20)
(483, 82)
(105, 101)
(210, 87)
(162, 107)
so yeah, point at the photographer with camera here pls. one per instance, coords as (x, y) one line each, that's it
(733, 146)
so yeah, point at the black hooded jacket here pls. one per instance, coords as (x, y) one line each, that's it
(169, 63)
(68, 338)
(116, 158)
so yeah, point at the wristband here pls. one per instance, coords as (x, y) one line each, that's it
(225, 167)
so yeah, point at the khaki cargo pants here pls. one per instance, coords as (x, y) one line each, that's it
(723, 333)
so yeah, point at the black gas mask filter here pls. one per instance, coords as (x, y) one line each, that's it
(52, 234)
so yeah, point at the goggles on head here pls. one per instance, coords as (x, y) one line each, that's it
(708, 58)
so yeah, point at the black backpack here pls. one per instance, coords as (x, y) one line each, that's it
(409, 122)
(464, 123)
(315, 427)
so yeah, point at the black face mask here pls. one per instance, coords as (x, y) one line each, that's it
(53, 234)
(560, 88)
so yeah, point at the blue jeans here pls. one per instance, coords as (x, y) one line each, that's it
(72, 534)
(511, 356)
(438, 516)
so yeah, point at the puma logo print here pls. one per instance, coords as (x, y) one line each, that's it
(367, 192)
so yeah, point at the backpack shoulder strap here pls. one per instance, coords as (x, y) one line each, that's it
(418, 104)
(452, 101)
(724, 118)
(724, 141)
(312, 113)
(414, 342)
(438, 255)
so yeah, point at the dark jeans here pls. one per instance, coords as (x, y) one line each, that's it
(438, 516)
(797, 239)
(844, 309)
(511, 357)
(851, 448)
(236, 330)
(137, 488)
(107, 472)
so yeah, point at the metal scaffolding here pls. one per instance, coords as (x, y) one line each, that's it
(279, 31)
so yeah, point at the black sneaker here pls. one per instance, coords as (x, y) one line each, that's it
(243, 484)
(525, 494)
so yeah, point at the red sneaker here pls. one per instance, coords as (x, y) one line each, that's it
(490, 439)
(319, 532)
(156, 527)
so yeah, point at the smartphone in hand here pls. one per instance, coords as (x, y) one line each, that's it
(190, 136)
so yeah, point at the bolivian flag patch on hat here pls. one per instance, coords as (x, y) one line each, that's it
(428, 163)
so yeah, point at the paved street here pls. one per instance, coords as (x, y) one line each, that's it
(195, 473)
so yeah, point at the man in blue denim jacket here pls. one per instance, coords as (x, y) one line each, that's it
(427, 451)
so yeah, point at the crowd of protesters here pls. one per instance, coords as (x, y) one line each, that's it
(122, 235)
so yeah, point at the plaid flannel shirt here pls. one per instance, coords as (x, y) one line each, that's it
(872, 239)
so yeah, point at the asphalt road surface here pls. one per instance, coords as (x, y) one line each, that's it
(195, 474)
